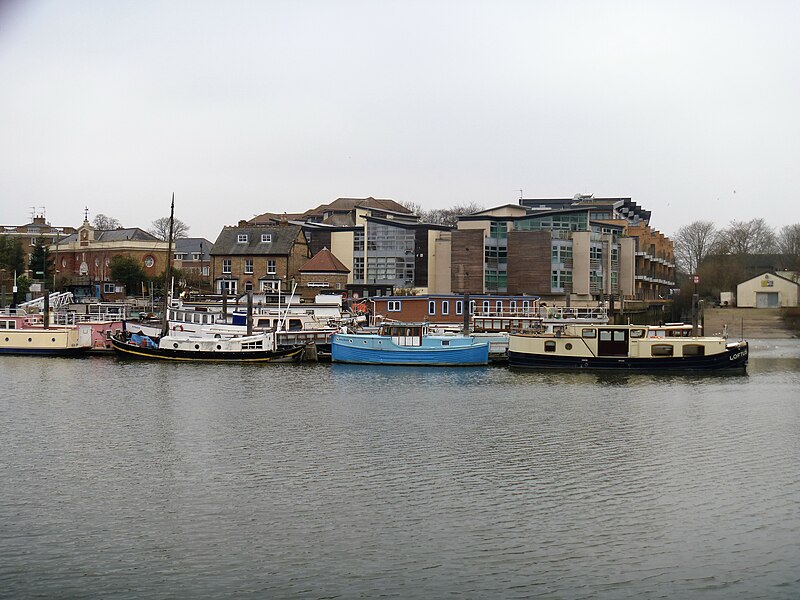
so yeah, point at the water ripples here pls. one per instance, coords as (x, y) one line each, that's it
(127, 480)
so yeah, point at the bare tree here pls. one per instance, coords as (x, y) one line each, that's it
(160, 229)
(443, 216)
(748, 237)
(449, 216)
(104, 223)
(693, 243)
(789, 240)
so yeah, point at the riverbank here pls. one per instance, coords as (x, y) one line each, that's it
(755, 323)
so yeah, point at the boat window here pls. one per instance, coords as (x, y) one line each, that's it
(694, 350)
(568, 346)
(605, 335)
(445, 342)
(619, 335)
(589, 333)
(295, 325)
(637, 333)
(661, 350)
(549, 346)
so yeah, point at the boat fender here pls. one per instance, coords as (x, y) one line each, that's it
(178, 328)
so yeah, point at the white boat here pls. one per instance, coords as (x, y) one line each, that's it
(252, 348)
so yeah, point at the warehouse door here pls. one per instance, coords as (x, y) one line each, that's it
(767, 300)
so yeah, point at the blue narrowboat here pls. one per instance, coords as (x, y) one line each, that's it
(408, 344)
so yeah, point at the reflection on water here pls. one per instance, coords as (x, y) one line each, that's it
(129, 480)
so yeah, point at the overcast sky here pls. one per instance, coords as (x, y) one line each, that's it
(239, 108)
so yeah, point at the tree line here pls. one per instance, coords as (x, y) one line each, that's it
(695, 242)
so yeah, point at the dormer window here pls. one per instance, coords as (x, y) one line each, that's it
(242, 238)
(266, 238)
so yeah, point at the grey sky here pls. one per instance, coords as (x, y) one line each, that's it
(690, 108)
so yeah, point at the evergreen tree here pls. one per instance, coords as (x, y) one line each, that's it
(128, 270)
(40, 261)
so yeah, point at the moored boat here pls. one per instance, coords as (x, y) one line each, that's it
(251, 348)
(60, 341)
(625, 347)
(408, 344)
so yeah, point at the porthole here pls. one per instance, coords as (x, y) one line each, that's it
(6, 339)
(219, 347)
(53, 340)
(30, 339)
(568, 346)
(174, 345)
(197, 346)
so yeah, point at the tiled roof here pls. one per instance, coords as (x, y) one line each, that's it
(282, 237)
(324, 261)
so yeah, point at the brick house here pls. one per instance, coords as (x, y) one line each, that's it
(261, 258)
(323, 273)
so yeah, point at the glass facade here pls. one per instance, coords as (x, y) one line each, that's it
(495, 258)
(570, 222)
(385, 255)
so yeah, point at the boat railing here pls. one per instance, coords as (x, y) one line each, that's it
(547, 312)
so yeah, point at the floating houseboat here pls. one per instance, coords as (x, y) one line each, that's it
(408, 344)
(625, 347)
(56, 341)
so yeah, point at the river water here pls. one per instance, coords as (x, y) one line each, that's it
(153, 480)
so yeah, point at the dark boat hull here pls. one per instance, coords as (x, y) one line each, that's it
(734, 358)
(126, 350)
(72, 352)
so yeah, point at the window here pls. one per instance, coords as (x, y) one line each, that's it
(108, 288)
(393, 305)
(485, 307)
(445, 307)
(431, 307)
(248, 286)
(694, 350)
(661, 350)
(179, 255)
(512, 306)
(241, 238)
(589, 333)
(196, 256)
(226, 265)
(248, 266)
(266, 238)
(459, 307)
(498, 306)
(272, 267)
(637, 333)
(149, 261)
(205, 271)
(526, 305)
(229, 285)
(549, 346)
(472, 307)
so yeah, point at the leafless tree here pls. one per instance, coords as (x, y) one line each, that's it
(104, 223)
(443, 216)
(748, 237)
(693, 243)
(160, 229)
(789, 240)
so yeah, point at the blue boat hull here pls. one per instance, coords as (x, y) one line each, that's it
(475, 354)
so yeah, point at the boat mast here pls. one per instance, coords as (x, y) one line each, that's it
(168, 272)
